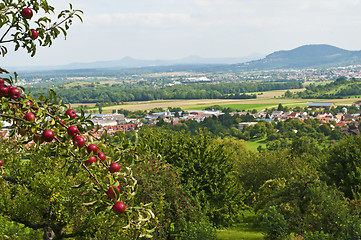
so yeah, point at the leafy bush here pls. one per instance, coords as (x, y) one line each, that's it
(274, 224)
(204, 169)
(309, 205)
(199, 231)
(317, 236)
(14, 231)
(159, 183)
(351, 229)
(343, 166)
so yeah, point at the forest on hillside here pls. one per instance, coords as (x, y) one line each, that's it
(340, 88)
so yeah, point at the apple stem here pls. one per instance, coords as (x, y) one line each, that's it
(15, 118)
(7, 31)
(4, 11)
(85, 167)
(104, 164)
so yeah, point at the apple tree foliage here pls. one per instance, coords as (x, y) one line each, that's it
(15, 29)
(49, 182)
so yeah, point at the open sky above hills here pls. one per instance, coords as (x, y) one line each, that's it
(171, 29)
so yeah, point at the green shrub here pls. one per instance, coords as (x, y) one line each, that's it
(199, 231)
(351, 229)
(306, 205)
(317, 236)
(205, 170)
(159, 183)
(274, 224)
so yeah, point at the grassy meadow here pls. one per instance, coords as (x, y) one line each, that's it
(200, 104)
(246, 230)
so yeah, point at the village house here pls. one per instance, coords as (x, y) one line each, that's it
(276, 114)
(357, 104)
(324, 117)
(321, 105)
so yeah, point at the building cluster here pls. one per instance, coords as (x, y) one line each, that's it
(348, 123)
(112, 123)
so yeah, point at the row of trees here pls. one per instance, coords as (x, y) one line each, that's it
(276, 134)
(340, 88)
(118, 93)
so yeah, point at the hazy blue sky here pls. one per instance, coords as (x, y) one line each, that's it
(169, 29)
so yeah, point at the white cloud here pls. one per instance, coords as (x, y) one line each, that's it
(151, 20)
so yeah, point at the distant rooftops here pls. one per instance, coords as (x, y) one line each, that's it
(321, 105)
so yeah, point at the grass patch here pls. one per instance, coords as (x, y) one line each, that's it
(254, 144)
(246, 230)
(239, 107)
(248, 107)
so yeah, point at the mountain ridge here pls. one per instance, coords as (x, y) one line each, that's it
(312, 55)
(306, 56)
(130, 62)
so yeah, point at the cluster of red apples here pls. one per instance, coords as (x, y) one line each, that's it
(78, 140)
(9, 91)
(27, 13)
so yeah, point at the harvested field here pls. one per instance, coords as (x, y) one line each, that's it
(266, 100)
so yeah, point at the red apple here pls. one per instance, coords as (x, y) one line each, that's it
(91, 160)
(4, 90)
(101, 156)
(79, 141)
(27, 13)
(114, 167)
(73, 131)
(47, 135)
(119, 207)
(92, 148)
(1, 162)
(29, 103)
(30, 117)
(111, 192)
(14, 93)
(70, 113)
(33, 34)
(2, 82)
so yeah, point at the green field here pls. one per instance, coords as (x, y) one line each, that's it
(241, 232)
(254, 144)
(246, 230)
(240, 107)
(266, 100)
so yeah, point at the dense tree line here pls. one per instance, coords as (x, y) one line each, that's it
(340, 88)
(276, 134)
(117, 93)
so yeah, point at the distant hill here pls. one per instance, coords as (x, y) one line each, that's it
(129, 62)
(307, 56)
